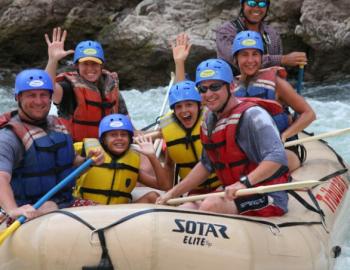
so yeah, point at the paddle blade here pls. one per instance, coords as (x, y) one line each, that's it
(8, 231)
(278, 187)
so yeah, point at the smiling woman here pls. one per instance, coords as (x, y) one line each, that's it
(247, 50)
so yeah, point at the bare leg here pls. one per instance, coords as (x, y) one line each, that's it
(293, 160)
(190, 205)
(219, 205)
(149, 197)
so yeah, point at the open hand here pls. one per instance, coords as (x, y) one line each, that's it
(56, 47)
(181, 47)
(146, 145)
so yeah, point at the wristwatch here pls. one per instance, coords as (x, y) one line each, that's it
(245, 181)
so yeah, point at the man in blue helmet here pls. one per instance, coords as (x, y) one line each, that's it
(86, 95)
(242, 145)
(252, 15)
(36, 150)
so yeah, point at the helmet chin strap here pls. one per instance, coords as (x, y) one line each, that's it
(226, 101)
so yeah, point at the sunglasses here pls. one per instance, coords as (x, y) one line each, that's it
(253, 3)
(214, 87)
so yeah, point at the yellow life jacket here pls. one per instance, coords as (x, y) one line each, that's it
(111, 182)
(185, 150)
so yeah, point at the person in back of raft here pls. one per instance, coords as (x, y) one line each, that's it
(36, 151)
(252, 17)
(241, 144)
(84, 96)
(113, 181)
(247, 50)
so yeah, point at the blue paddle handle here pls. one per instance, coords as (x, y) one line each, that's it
(59, 186)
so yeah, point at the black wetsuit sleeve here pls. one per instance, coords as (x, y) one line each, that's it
(122, 109)
(68, 103)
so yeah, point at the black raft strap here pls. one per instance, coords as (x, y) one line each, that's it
(308, 206)
(105, 261)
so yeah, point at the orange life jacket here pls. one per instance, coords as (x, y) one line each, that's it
(92, 106)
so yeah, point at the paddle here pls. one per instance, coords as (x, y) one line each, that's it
(158, 143)
(14, 226)
(318, 137)
(249, 191)
(300, 78)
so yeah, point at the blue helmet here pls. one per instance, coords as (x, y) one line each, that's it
(115, 122)
(89, 50)
(33, 79)
(214, 69)
(182, 91)
(247, 40)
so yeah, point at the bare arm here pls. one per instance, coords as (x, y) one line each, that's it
(262, 172)
(196, 176)
(287, 95)
(181, 48)
(8, 202)
(163, 178)
(56, 52)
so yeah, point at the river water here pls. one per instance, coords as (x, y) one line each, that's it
(330, 101)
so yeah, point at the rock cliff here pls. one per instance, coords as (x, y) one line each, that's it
(136, 34)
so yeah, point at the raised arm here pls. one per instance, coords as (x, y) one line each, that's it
(181, 48)
(56, 52)
(163, 178)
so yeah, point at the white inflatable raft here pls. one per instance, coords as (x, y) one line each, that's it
(145, 237)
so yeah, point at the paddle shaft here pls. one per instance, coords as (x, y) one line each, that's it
(248, 191)
(158, 142)
(318, 137)
(45, 198)
(300, 78)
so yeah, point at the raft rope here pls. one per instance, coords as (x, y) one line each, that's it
(105, 261)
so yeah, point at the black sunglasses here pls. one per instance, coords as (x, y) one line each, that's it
(214, 87)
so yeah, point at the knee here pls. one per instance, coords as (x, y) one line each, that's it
(151, 197)
(211, 204)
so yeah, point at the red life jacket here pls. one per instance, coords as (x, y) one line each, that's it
(91, 105)
(229, 160)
